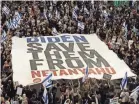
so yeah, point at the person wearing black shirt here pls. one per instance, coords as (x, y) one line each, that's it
(86, 99)
(41, 10)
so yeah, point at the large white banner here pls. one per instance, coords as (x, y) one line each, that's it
(66, 56)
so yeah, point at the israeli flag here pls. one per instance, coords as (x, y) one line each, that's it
(80, 25)
(47, 82)
(45, 96)
(16, 20)
(124, 82)
(74, 13)
(136, 89)
(6, 10)
(13, 24)
(135, 94)
(86, 74)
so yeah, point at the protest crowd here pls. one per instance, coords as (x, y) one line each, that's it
(117, 26)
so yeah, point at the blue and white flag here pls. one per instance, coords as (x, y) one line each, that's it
(86, 74)
(3, 37)
(47, 82)
(16, 19)
(135, 94)
(13, 24)
(123, 84)
(45, 96)
(6, 10)
(74, 13)
(80, 25)
(136, 89)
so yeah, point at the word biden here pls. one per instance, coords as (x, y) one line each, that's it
(64, 38)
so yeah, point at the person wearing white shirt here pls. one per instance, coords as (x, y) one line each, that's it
(124, 97)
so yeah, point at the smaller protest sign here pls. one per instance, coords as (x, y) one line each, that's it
(114, 100)
(107, 76)
(19, 91)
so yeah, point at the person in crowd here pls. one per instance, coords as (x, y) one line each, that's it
(124, 96)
